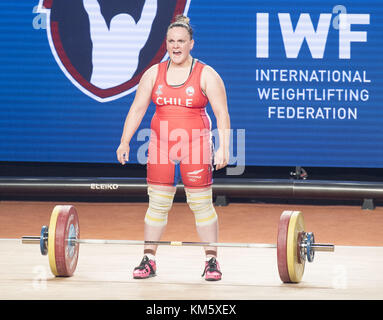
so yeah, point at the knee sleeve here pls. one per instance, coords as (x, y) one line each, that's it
(201, 203)
(160, 203)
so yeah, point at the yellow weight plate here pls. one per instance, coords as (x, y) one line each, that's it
(295, 267)
(51, 240)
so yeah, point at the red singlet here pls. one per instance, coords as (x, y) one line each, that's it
(180, 143)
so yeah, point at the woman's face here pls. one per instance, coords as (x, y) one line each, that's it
(179, 44)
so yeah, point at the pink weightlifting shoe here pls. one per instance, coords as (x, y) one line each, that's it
(212, 270)
(146, 269)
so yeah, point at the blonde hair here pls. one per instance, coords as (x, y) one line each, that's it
(184, 22)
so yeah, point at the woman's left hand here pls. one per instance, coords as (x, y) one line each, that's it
(221, 158)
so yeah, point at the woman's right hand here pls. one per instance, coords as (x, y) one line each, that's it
(123, 153)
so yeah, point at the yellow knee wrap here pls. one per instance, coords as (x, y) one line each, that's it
(201, 203)
(160, 203)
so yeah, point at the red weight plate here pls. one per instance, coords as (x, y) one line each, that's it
(66, 253)
(283, 228)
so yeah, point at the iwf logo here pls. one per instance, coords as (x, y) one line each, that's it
(104, 46)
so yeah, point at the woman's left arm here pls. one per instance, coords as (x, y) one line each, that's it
(214, 88)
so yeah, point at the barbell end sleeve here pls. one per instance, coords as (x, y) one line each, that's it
(323, 247)
(30, 239)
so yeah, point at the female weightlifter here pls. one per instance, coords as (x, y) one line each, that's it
(180, 145)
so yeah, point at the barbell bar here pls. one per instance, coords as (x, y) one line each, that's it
(61, 239)
(314, 246)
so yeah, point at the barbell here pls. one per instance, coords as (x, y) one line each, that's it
(61, 240)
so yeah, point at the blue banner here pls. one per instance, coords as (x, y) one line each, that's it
(304, 79)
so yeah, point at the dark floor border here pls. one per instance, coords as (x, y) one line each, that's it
(224, 190)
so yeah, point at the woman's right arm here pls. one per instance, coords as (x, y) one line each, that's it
(136, 113)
